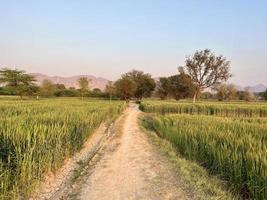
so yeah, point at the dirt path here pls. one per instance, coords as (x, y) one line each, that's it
(130, 169)
(126, 167)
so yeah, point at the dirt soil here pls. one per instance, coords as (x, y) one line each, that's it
(126, 167)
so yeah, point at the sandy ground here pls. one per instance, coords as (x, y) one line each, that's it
(131, 171)
(127, 167)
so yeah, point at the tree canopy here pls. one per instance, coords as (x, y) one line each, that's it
(18, 81)
(226, 92)
(207, 70)
(125, 87)
(84, 85)
(177, 86)
(144, 83)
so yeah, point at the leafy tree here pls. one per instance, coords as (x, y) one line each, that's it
(206, 95)
(125, 87)
(164, 88)
(84, 85)
(97, 90)
(69, 92)
(47, 88)
(60, 86)
(27, 90)
(264, 95)
(145, 84)
(18, 81)
(59, 90)
(207, 70)
(226, 92)
(178, 86)
(7, 91)
(183, 86)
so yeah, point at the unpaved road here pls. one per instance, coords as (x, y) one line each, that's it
(132, 171)
(128, 167)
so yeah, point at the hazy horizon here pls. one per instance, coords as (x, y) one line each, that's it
(108, 38)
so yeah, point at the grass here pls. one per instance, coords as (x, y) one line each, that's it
(233, 147)
(37, 136)
(206, 108)
(195, 179)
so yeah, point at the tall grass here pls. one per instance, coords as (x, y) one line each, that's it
(234, 148)
(37, 136)
(217, 109)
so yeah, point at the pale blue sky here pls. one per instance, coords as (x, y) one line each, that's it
(107, 38)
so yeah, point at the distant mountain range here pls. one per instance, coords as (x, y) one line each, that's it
(255, 89)
(96, 82)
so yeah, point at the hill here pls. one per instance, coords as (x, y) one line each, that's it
(72, 81)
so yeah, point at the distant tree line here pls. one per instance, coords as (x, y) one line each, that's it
(203, 76)
(18, 82)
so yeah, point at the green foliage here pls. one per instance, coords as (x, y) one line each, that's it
(84, 85)
(265, 95)
(110, 90)
(144, 83)
(18, 82)
(67, 93)
(125, 88)
(178, 87)
(37, 136)
(164, 88)
(7, 91)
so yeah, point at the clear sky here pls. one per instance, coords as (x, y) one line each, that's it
(107, 38)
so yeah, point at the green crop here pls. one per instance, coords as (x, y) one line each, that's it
(218, 109)
(37, 136)
(232, 147)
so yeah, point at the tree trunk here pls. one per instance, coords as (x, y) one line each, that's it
(195, 95)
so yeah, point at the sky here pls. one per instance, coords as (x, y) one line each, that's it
(108, 38)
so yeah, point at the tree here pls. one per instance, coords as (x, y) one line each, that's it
(145, 84)
(177, 86)
(264, 95)
(207, 70)
(59, 90)
(18, 81)
(245, 95)
(59, 86)
(47, 88)
(97, 90)
(164, 88)
(226, 92)
(27, 90)
(84, 85)
(125, 87)
(206, 95)
(183, 86)
(110, 89)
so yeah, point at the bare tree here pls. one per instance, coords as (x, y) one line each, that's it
(110, 89)
(47, 88)
(207, 70)
(226, 92)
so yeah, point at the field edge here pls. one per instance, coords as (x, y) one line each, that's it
(195, 178)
